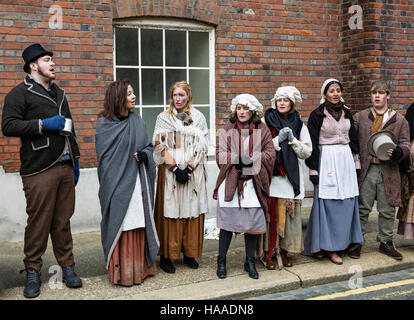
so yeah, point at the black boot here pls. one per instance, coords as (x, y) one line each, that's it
(191, 262)
(32, 287)
(166, 265)
(70, 278)
(250, 267)
(221, 267)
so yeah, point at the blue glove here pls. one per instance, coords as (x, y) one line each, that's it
(290, 135)
(55, 123)
(76, 172)
(282, 135)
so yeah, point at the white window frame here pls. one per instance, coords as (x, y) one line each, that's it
(174, 24)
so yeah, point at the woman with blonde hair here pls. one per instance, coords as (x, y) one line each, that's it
(181, 143)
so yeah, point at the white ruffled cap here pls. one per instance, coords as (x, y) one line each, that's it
(247, 100)
(289, 92)
(323, 89)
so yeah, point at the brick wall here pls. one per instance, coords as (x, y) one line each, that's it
(83, 52)
(383, 48)
(260, 45)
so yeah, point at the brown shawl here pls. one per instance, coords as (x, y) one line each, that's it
(227, 153)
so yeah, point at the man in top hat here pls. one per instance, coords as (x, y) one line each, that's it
(35, 111)
(380, 179)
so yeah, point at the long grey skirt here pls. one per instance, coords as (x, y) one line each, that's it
(333, 225)
(241, 220)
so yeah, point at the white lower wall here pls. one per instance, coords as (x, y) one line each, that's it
(87, 214)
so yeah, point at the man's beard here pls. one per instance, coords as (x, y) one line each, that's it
(43, 74)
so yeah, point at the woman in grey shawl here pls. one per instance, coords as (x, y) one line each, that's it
(126, 173)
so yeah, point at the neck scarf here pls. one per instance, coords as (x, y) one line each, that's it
(379, 118)
(286, 157)
(185, 118)
(242, 178)
(334, 109)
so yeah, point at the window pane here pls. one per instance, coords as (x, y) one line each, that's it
(126, 46)
(133, 76)
(150, 115)
(151, 47)
(206, 112)
(175, 48)
(172, 76)
(199, 49)
(200, 83)
(152, 87)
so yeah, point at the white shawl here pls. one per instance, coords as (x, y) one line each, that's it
(183, 143)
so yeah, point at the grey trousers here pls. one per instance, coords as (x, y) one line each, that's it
(372, 189)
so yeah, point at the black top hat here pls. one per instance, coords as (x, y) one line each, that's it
(33, 52)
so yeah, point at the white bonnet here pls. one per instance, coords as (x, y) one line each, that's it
(289, 92)
(323, 89)
(248, 100)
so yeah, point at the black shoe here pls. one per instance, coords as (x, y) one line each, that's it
(389, 249)
(221, 267)
(167, 265)
(33, 283)
(70, 278)
(250, 267)
(354, 250)
(191, 262)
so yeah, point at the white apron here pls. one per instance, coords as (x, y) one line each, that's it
(337, 173)
(134, 218)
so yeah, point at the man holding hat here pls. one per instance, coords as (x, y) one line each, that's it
(35, 111)
(380, 177)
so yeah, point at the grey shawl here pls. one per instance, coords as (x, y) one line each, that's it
(116, 142)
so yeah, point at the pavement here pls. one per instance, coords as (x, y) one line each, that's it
(200, 284)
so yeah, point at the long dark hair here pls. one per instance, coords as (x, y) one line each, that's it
(115, 102)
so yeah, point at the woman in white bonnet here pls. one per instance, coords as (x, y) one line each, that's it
(245, 156)
(292, 143)
(334, 220)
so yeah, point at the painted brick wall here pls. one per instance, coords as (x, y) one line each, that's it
(260, 45)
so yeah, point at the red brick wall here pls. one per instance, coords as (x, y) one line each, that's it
(82, 52)
(382, 49)
(260, 45)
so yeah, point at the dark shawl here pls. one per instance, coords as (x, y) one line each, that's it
(227, 153)
(315, 122)
(409, 116)
(116, 143)
(286, 157)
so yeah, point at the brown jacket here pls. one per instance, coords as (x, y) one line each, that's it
(397, 124)
(227, 153)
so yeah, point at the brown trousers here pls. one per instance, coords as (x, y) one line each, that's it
(50, 203)
(176, 235)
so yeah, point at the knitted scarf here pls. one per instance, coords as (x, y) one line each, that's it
(334, 109)
(286, 158)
